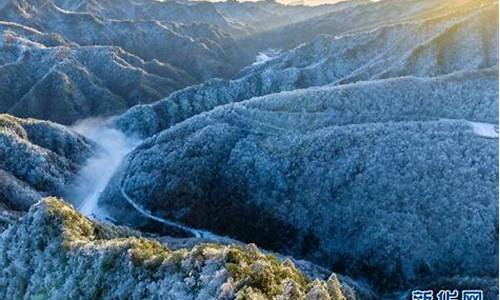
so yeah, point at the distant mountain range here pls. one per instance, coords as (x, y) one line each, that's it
(153, 48)
(433, 46)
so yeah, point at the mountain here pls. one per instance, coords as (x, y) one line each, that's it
(170, 11)
(37, 158)
(351, 177)
(239, 19)
(261, 16)
(53, 247)
(354, 17)
(65, 84)
(431, 47)
(248, 150)
(84, 64)
(148, 39)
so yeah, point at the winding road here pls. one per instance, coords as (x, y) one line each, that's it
(195, 232)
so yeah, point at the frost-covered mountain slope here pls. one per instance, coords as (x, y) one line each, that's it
(461, 95)
(149, 39)
(431, 47)
(64, 61)
(237, 18)
(37, 158)
(359, 16)
(381, 160)
(65, 83)
(300, 194)
(366, 144)
(175, 11)
(7, 215)
(258, 16)
(23, 35)
(55, 252)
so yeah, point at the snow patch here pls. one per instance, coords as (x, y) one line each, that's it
(265, 56)
(486, 130)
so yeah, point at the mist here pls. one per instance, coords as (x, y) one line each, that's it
(112, 147)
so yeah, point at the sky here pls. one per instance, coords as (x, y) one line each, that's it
(307, 2)
(292, 2)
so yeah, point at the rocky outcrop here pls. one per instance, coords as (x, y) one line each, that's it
(47, 156)
(429, 47)
(55, 252)
(351, 177)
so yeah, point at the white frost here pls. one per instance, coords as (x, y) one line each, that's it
(265, 56)
(486, 130)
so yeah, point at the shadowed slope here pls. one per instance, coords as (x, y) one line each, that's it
(393, 163)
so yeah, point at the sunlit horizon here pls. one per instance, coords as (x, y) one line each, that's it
(285, 2)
